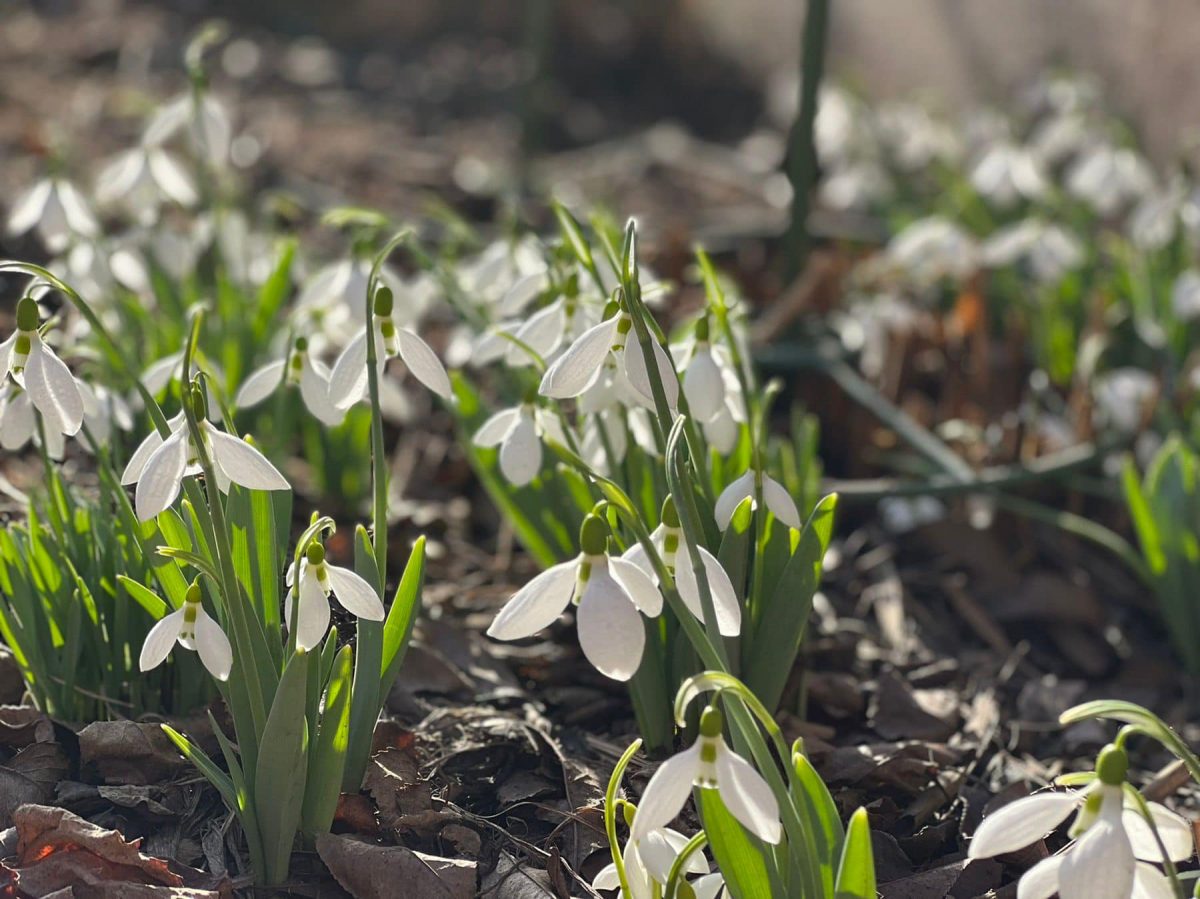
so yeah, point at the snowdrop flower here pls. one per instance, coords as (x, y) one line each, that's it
(1007, 173)
(667, 539)
(52, 388)
(18, 424)
(57, 210)
(318, 581)
(543, 332)
(710, 765)
(1049, 250)
(855, 186)
(931, 249)
(518, 432)
(299, 369)
(203, 116)
(348, 379)
(703, 383)
(608, 591)
(1122, 396)
(1113, 842)
(1185, 295)
(192, 628)
(102, 410)
(915, 138)
(1156, 218)
(602, 349)
(158, 466)
(1108, 178)
(752, 484)
(648, 864)
(142, 178)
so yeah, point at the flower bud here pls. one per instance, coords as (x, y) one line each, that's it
(27, 314)
(593, 536)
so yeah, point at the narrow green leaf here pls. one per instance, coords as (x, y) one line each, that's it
(327, 763)
(279, 779)
(739, 855)
(144, 597)
(368, 663)
(822, 821)
(856, 871)
(406, 605)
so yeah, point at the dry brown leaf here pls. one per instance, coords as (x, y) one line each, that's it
(129, 752)
(367, 871)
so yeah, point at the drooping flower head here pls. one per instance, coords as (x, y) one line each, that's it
(1114, 844)
(318, 581)
(300, 369)
(753, 484)
(710, 765)
(608, 592)
(192, 628)
(52, 388)
(348, 379)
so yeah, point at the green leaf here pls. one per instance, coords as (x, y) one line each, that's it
(739, 855)
(779, 626)
(397, 629)
(821, 818)
(198, 757)
(279, 776)
(856, 871)
(368, 663)
(327, 763)
(144, 597)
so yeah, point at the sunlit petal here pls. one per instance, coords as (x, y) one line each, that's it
(536, 605)
(354, 593)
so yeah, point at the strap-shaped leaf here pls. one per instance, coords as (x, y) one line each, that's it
(739, 855)
(279, 780)
(856, 871)
(398, 628)
(327, 762)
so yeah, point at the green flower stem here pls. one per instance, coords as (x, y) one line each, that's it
(610, 813)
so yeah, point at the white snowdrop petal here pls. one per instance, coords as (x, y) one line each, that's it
(704, 387)
(666, 792)
(747, 796)
(1175, 832)
(137, 462)
(314, 390)
(575, 370)
(658, 850)
(260, 384)
(636, 555)
(724, 597)
(243, 464)
(494, 430)
(159, 640)
(639, 377)
(159, 480)
(1150, 883)
(348, 379)
(75, 207)
(607, 879)
(312, 615)
(1040, 881)
(1020, 823)
(610, 629)
(521, 453)
(780, 502)
(542, 332)
(1099, 866)
(6, 349)
(536, 605)
(637, 584)
(522, 292)
(709, 886)
(355, 594)
(17, 422)
(53, 389)
(27, 209)
(171, 177)
(424, 364)
(213, 646)
(731, 496)
(159, 374)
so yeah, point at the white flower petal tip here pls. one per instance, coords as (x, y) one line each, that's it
(537, 605)
(580, 365)
(424, 364)
(1020, 823)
